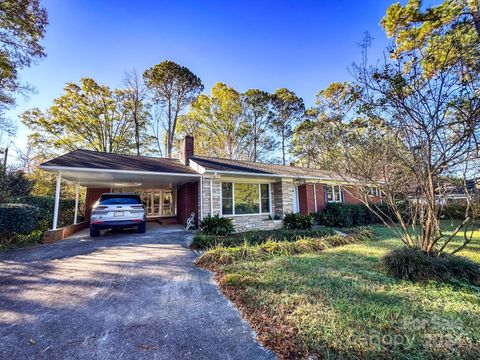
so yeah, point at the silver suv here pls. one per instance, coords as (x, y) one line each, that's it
(117, 211)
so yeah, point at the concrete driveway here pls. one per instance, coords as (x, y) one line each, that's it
(120, 296)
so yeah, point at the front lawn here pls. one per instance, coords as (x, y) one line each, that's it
(340, 304)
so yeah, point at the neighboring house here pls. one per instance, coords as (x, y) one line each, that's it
(251, 193)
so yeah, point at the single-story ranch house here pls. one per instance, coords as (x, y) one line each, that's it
(253, 194)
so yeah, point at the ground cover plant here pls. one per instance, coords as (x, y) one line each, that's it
(340, 303)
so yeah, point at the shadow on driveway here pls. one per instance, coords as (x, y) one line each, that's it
(122, 296)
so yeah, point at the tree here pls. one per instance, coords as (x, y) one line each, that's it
(174, 87)
(287, 110)
(412, 130)
(22, 26)
(453, 24)
(218, 123)
(88, 115)
(14, 183)
(257, 112)
(136, 92)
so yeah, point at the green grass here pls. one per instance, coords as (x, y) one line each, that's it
(340, 304)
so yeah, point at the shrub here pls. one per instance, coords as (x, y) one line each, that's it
(416, 265)
(348, 215)
(46, 205)
(18, 218)
(454, 212)
(256, 237)
(297, 221)
(217, 225)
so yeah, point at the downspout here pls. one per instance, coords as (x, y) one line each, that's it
(211, 196)
(315, 197)
(201, 198)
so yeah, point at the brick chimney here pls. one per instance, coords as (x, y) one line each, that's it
(186, 149)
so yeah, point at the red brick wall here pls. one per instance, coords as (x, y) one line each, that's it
(352, 196)
(187, 201)
(320, 197)
(306, 199)
(187, 150)
(92, 195)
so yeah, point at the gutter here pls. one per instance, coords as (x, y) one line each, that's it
(67, 168)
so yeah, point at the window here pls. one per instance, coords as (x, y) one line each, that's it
(227, 198)
(119, 200)
(245, 198)
(333, 193)
(373, 191)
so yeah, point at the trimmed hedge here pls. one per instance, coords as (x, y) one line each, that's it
(347, 215)
(46, 204)
(454, 212)
(217, 225)
(18, 218)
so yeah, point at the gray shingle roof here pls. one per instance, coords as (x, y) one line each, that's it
(218, 164)
(108, 161)
(101, 160)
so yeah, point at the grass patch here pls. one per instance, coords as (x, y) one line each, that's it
(339, 303)
(203, 242)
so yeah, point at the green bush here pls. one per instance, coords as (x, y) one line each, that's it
(256, 237)
(217, 225)
(18, 218)
(297, 221)
(454, 212)
(46, 205)
(348, 215)
(416, 265)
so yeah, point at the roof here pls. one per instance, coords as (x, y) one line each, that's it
(257, 168)
(88, 159)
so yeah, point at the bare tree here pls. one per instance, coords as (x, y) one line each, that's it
(410, 132)
(138, 94)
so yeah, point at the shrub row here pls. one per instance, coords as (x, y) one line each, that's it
(256, 237)
(347, 215)
(227, 255)
(416, 265)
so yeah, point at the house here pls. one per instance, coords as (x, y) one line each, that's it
(251, 193)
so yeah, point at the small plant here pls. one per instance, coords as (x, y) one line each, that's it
(297, 221)
(217, 225)
(417, 265)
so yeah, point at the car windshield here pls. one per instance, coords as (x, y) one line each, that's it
(120, 200)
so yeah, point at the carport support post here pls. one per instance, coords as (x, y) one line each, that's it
(57, 201)
(77, 188)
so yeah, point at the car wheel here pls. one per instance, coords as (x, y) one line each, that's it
(94, 233)
(141, 228)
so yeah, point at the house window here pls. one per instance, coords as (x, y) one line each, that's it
(333, 193)
(227, 198)
(245, 198)
(373, 191)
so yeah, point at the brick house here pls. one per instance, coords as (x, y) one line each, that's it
(252, 194)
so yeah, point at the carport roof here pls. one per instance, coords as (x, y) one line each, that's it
(87, 159)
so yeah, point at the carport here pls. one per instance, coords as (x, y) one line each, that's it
(168, 188)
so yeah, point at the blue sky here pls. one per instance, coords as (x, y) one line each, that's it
(300, 45)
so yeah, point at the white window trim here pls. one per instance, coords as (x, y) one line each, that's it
(339, 192)
(259, 198)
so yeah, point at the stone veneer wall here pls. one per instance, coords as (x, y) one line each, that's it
(217, 188)
(255, 222)
(283, 197)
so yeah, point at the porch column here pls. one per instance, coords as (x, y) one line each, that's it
(77, 188)
(57, 201)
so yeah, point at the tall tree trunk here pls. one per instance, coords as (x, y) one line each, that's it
(283, 145)
(255, 139)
